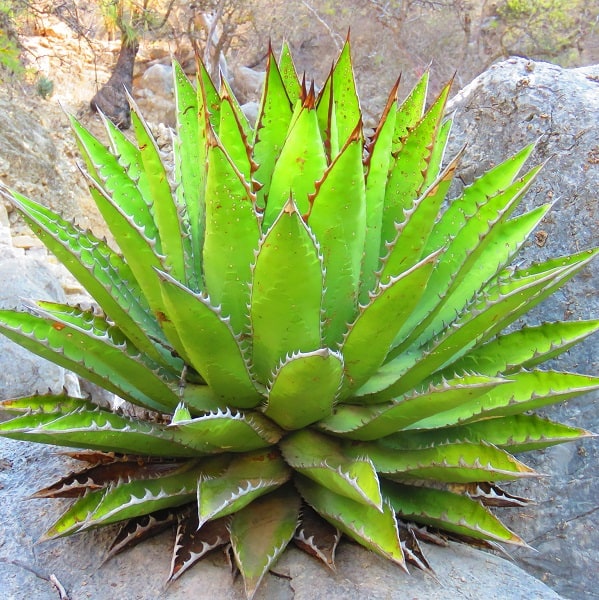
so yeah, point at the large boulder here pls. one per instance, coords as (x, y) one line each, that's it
(75, 564)
(514, 103)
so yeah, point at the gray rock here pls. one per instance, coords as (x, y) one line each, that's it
(155, 95)
(514, 103)
(25, 568)
(30, 162)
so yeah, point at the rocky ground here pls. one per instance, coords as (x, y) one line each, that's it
(512, 104)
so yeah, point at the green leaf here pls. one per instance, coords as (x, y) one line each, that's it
(370, 336)
(271, 127)
(127, 500)
(409, 112)
(377, 165)
(380, 420)
(209, 344)
(526, 347)
(501, 304)
(286, 296)
(406, 249)
(323, 460)
(113, 181)
(367, 525)
(467, 204)
(246, 478)
(289, 74)
(516, 433)
(103, 273)
(226, 431)
(232, 137)
(338, 223)
(345, 96)
(93, 349)
(166, 214)
(526, 390)
(46, 403)
(97, 430)
(287, 403)
(464, 267)
(447, 511)
(208, 97)
(231, 237)
(407, 176)
(457, 462)
(189, 149)
(301, 163)
(260, 533)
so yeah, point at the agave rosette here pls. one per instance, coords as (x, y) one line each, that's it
(316, 339)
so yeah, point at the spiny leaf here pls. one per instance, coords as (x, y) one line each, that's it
(338, 223)
(93, 351)
(246, 478)
(231, 237)
(486, 186)
(286, 296)
(164, 206)
(189, 150)
(226, 431)
(516, 433)
(96, 429)
(300, 165)
(408, 173)
(101, 475)
(141, 528)
(377, 165)
(526, 347)
(345, 96)
(289, 74)
(369, 337)
(367, 525)
(209, 343)
(501, 304)
(232, 136)
(271, 128)
(526, 390)
(100, 270)
(286, 401)
(452, 512)
(46, 403)
(261, 531)
(127, 500)
(488, 494)
(409, 112)
(380, 420)
(463, 268)
(412, 234)
(322, 459)
(453, 462)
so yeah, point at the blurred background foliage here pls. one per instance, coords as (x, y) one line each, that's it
(390, 36)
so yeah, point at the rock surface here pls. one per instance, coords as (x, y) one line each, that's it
(515, 103)
(140, 574)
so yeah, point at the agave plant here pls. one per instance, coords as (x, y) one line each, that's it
(314, 335)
